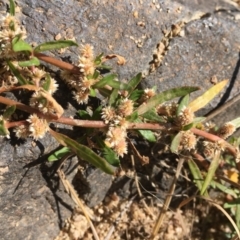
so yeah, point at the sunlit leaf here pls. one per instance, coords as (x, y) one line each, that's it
(19, 45)
(211, 171)
(12, 8)
(164, 96)
(83, 114)
(9, 111)
(105, 81)
(205, 98)
(3, 130)
(110, 155)
(57, 155)
(176, 142)
(113, 97)
(83, 152)
(148, 135)
(135, 95)
(98, 59)
(32, 62)
(17, 74)
(197, 176)
(236, 122)
(182, 104)
(224, 189)
(54, 45)
(46, 85)
(152, 116)
(194, 123)
(132, 84)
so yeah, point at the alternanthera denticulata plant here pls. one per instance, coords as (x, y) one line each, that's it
(122, 107)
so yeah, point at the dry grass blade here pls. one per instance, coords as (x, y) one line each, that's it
(225, 213)
(167, 200)
(70, 190)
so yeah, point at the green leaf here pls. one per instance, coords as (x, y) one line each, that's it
(133, 117)
(54, 45)
(224, 189)
(3, 130)
(113, 97)
(132, 84)
(92, 92)
(164, 96)
(104, 81)
(148, 135)
(205, 98)
(211, 171)
(32, 62)
(176, 142)
(135, 95)
(83, 114)
(194, 123)
(9, 111)
(236, 122)
(97, 113)
(197, 176)
(183, 103)
(152, 116)
(83, 152)
(19, 45)
(98, 59)
(59, 154)
(47, 82)
(17, 74)
(108, 153)
(12, 8)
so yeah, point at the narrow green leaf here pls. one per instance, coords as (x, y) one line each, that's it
(236, 122)
(211, 171)
(197, 176)
(19, 45)
(59, 154)
(206, 97)
(133, 117)
(152, 116)
(182, 104)
(83, 152)
(135, 95)
(46, 85)
(32, 62)
(113, 97)
(164, 96)
(195, 122)
(104, 81)
(17, 74)
(148, 135)
(132, 84)
(176, 142)
(12, 8)
(3, 130)
(237, 215)
(54, 45)
(83, 114)
(224, 189)
(9, 111)
(98, 59)
(108, 153)
(92, 92)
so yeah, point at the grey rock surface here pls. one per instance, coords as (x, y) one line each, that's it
(32, 207)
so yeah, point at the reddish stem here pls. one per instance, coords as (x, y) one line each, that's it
(57, 63)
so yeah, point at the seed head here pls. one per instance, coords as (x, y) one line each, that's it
(108, 114)
(185, 117)
(226, 130)
(188, 140)
(125, 108)
(37, 127)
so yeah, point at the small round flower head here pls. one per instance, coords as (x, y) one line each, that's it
(188, 140)
(226, 130)
(86, 51)
(185, 117)
(22, 131)
(121, 148)
(148, 93)
(168, 110)
(81, 96)
(86, 84)
(108, 114)
(125, 108)
(37, 127)
(115, 135)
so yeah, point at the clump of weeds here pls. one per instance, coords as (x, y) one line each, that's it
(122, 108)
